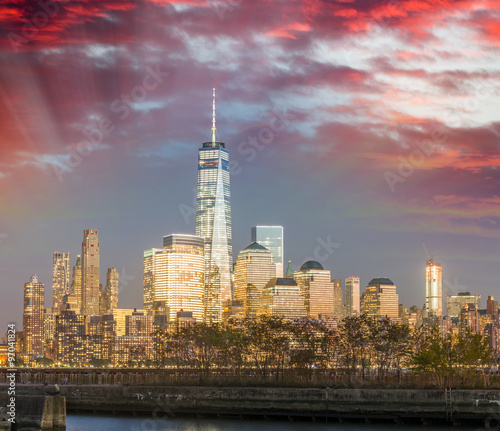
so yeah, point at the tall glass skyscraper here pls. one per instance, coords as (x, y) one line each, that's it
(90, 273)
(352, 303)
(33, 318)
(213, 222)
(271, 237)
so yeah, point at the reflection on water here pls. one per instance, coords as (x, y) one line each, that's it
(98, 423)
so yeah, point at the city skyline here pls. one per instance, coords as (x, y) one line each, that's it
(360, 137)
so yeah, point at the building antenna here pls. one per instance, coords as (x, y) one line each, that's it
(214, 140)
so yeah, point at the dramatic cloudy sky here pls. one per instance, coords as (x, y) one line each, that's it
(361, 126)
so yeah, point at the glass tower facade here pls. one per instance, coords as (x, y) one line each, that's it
(111, 291)
(90, 273)
(455, 303)
(434, 288)
(352, 292)
(33, 318)
(61, 277)
(317, 288)
(253, 270)
(76, 284)
(271, 237)
(380, 299)
(213, 222)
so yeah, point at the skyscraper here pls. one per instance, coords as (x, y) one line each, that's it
(111, 291)
(180, 275)
(76, 284)
(33, 318)
(317, 288)
(455, 303)
(352, 304)
(71, 341)
(283, 297)
(271, 237)
(433, 288)
(254, 268)
(90, 273)
(380, 299)
(338, 300)
(149, 278)
(61, 274)
(213, 222)
(174, 276)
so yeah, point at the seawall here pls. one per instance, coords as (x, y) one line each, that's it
(389, 405)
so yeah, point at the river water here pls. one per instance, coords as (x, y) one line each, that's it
(107, 423)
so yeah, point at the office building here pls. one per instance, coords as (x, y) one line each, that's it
(149, 278)
(433, 288)
(352, 296)
(338, 300)
(469, 319)
(254, 268)
(110, 295)
(175, 274)
(90, 273)
(61, 277)
(317, 288)
(119, 316)
(492, 308)
(138, 324)
(283, 297)
(213, 222)
(71, 341)
(455, 303)
(380, 299)
(33, 319)
(271, 237)
(136, 346)
(76, 283)
(233, 311)
(69, 302)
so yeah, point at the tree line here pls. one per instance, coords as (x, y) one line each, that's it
(359, 347)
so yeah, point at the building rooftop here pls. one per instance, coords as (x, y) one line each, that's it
(380, 281)
(281, 282)
(311, 264)
(255, 246)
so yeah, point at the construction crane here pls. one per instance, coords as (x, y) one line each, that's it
(425, 248)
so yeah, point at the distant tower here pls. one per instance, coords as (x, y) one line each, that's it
(90, 273)
(33, 318)
(253, 270)
(352, 297)
(76, 284)
(433, 288)
(61, 274)
(271, 237)
(111, 291)
(213, 222)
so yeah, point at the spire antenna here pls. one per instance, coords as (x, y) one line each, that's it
(214, 140)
